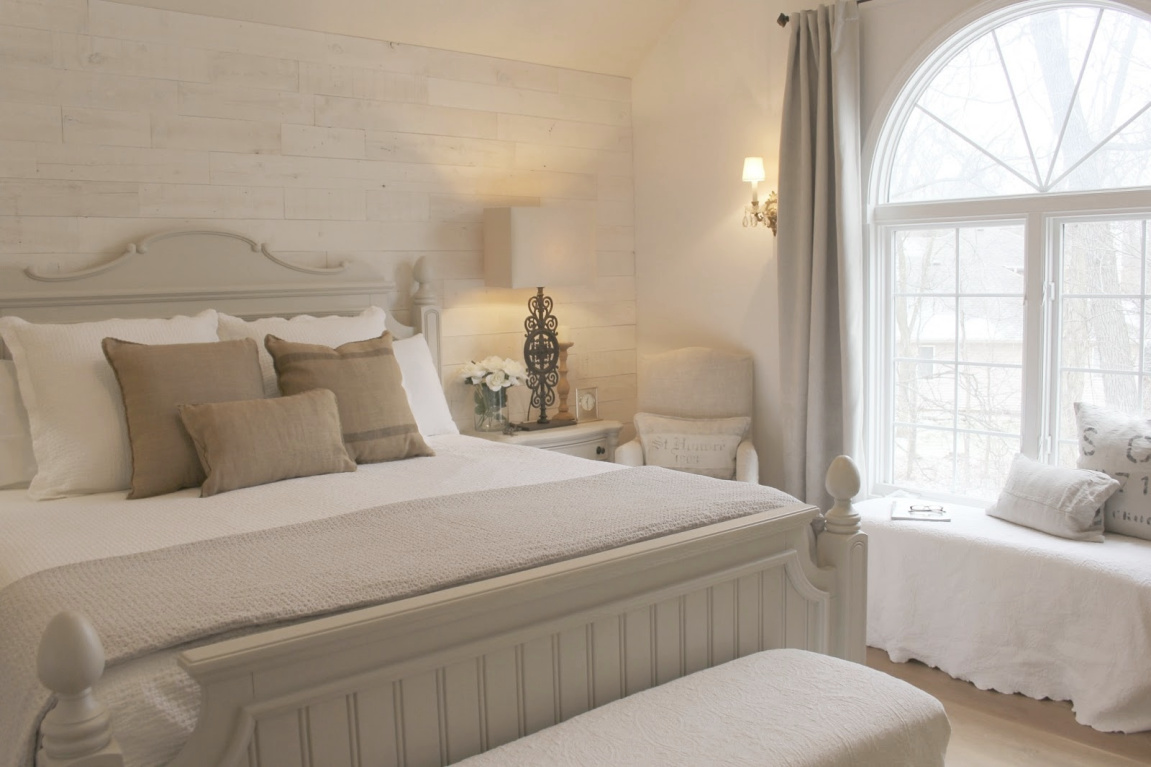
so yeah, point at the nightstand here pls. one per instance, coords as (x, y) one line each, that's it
(596, 440)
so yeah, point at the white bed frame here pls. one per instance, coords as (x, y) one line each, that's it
(433, 679)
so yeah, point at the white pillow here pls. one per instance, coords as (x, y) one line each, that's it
(698, 445)
(75, 410)
(1063, 502)
(303, 329)
(17, 464)
(424, 387)
(1120, 445)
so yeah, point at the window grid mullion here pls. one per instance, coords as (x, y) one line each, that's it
(963, 430)
(955, 382)
(957, 363)
(965, 295)
(1071, 103)
(889, 283)
(1053, 257)
(1099, 371)
(1143, 313)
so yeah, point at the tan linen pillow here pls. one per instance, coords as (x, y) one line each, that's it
(302, 329)
(365, 377)
(154, 380)
(257, 441)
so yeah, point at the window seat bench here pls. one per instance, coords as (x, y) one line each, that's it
(1013, 609)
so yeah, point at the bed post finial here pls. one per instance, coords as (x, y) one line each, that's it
(69, 661)
(842, 484)
(842, 546)
(423, 273)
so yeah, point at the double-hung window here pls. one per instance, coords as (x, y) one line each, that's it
(1011, 209)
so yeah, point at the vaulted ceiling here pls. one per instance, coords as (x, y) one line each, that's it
(606, 36)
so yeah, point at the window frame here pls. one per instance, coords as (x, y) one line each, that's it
(1042, 216)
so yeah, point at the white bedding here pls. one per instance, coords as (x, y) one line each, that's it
(152, 693)
(1016, 610)
(42, 534)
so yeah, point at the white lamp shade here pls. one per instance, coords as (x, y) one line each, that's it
(753, 169)
(539, 247)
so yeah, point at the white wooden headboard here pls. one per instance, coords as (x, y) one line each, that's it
(186, 271)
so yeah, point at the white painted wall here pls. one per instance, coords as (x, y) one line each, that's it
(117, 121)
(710, 93)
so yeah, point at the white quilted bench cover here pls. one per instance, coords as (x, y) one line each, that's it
(780, 707)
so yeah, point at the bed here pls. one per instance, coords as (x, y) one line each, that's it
(431, 669)
(1016, 610)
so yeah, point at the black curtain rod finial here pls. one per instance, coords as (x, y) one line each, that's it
(783, 19)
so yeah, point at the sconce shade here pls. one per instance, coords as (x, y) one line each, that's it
(753, 169)
(538, 247)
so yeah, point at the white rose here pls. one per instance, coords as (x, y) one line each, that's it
(495, 381)
(491, 364)
(472, 373)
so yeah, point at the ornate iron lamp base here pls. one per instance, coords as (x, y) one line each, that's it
(545, 358)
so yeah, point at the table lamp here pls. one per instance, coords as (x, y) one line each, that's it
(537, 248)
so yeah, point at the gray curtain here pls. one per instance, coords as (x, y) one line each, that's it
(820, 248)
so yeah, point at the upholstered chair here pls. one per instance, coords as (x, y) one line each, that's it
(695, 382)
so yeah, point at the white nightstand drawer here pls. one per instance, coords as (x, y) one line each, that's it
(595, 450)
(595, 441)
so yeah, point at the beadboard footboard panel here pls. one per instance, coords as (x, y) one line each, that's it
(464, 706)
(434, 679)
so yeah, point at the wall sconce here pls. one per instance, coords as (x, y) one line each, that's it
(757, 213)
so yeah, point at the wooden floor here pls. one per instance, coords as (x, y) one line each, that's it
(989, 729)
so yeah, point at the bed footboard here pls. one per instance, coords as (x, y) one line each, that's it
(436, 678)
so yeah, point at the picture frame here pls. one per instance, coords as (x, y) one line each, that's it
(587, 404)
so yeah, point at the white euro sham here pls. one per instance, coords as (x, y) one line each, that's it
(75, 411)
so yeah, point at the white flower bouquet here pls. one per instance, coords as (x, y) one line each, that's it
(495, 372)
(491, 378)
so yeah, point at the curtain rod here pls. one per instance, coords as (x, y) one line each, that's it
(784, 18)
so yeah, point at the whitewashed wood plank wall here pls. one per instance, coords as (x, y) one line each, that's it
(117, 121)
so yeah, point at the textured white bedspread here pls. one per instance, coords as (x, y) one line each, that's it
(37, 535)
(780, 708)
(1016, 610)
(152, 693)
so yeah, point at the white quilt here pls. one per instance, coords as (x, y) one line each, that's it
(152, 693)
(1016, 610)
(780, 708)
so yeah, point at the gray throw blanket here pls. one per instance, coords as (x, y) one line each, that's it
(141, 603)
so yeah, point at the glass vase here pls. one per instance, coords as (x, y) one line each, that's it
(491, 408)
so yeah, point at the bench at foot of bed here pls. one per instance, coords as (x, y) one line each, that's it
(779, 707)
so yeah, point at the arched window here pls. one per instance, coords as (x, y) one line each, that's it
(1011, 207)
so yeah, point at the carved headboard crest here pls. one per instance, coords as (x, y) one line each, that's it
(188, 270)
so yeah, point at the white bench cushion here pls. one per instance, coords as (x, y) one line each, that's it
(780, 707)
(1015, 610)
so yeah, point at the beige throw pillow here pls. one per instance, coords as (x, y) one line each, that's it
(1119, 444)
(365, 377)
(704, 446)
(154, 380)
(254, 442)
(303, 329)
(1059, 501)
